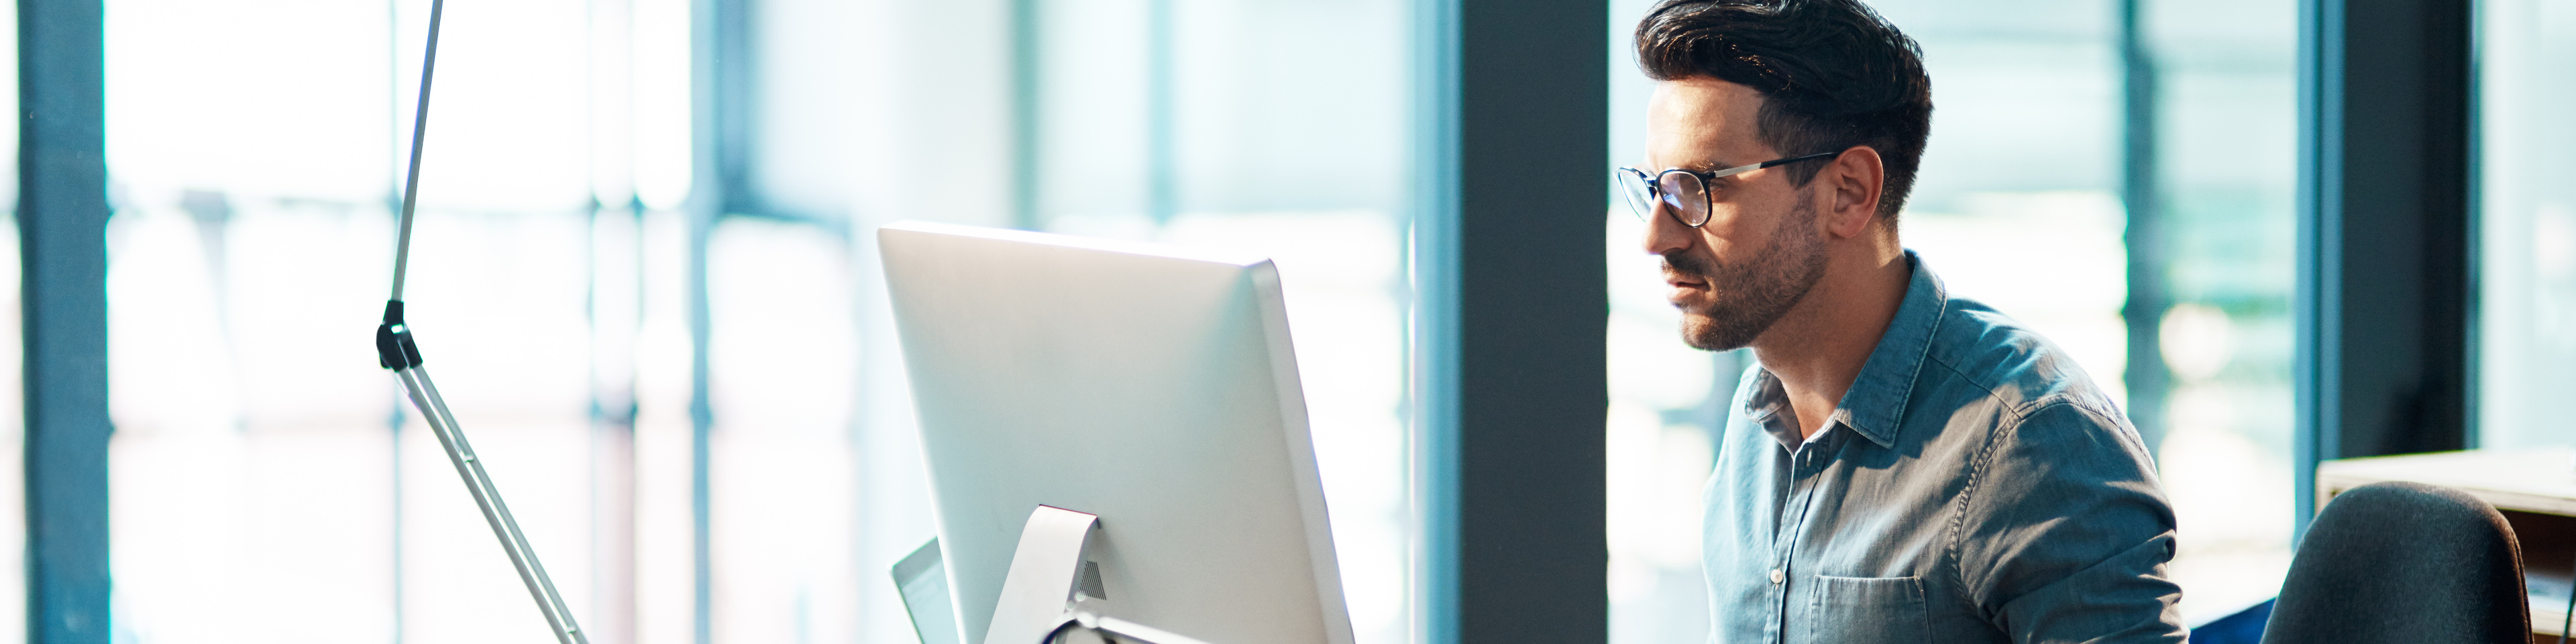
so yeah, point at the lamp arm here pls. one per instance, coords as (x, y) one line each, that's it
(395, 350)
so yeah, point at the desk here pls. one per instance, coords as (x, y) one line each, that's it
(2535, 489)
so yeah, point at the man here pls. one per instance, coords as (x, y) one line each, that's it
(1903, 465)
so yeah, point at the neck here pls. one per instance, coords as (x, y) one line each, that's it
(1818, 348)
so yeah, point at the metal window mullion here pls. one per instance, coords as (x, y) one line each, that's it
(62, 219)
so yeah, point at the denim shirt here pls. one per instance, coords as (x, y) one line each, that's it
(1973, 486)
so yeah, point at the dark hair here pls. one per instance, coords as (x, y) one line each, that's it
(1832, 73)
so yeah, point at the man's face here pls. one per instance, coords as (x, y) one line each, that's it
(1761, 250)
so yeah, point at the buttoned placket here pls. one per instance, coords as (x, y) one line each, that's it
(1804, 465)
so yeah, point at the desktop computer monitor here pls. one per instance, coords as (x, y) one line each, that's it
(1150, 385)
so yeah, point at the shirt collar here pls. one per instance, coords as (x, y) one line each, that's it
(1876, 401)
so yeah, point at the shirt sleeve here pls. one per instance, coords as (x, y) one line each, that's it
(2064, 534)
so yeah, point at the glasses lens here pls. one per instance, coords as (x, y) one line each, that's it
(1686, 196)
(1632, 184)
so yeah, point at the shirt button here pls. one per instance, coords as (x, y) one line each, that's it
(1777, 576)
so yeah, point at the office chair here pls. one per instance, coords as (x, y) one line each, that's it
(2404, 563)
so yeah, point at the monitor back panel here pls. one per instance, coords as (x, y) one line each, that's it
(1152, 386)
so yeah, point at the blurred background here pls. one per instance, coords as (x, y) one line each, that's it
(644, 271)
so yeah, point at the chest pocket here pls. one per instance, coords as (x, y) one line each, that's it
(1856, 610)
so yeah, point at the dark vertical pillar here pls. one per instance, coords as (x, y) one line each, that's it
(1511, 314)
(2385, 229)
(2145, 238)
(62, 221)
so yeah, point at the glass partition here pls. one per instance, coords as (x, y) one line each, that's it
(2526, 239)
(2225, 172)
(257, 151)
(1278, 128)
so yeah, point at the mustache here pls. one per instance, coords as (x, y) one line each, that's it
(1688, 264)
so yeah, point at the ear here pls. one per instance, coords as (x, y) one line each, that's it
(1850, 191)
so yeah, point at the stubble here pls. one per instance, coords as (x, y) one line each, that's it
(1751, 296)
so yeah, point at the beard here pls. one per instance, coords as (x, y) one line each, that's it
(1746, 298)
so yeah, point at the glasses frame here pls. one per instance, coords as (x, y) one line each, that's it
(1707, 208)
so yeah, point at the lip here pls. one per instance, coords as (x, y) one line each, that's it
(1683, 288)
(1679, 279)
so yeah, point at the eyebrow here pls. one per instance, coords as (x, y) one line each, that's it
(1703, 165)
(1710, 165)
(1765, 164)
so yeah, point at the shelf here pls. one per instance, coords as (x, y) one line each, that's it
(2532, 480)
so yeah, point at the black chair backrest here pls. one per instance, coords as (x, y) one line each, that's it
(2404, 563)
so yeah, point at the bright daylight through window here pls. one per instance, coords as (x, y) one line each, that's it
(2527, 261)
(646, 270)
(675, 359)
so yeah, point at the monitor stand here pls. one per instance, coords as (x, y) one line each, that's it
(1052, 588)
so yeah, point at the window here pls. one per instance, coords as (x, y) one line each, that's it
(1278, 128)
(2225, 175)
(258, 150)
(2526, 239)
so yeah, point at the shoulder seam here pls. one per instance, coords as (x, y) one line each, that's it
(1963, 376)
(2023, 409)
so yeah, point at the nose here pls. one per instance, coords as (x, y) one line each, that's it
(1664, 232)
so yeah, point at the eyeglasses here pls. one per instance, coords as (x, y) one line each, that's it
(1686, 191)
